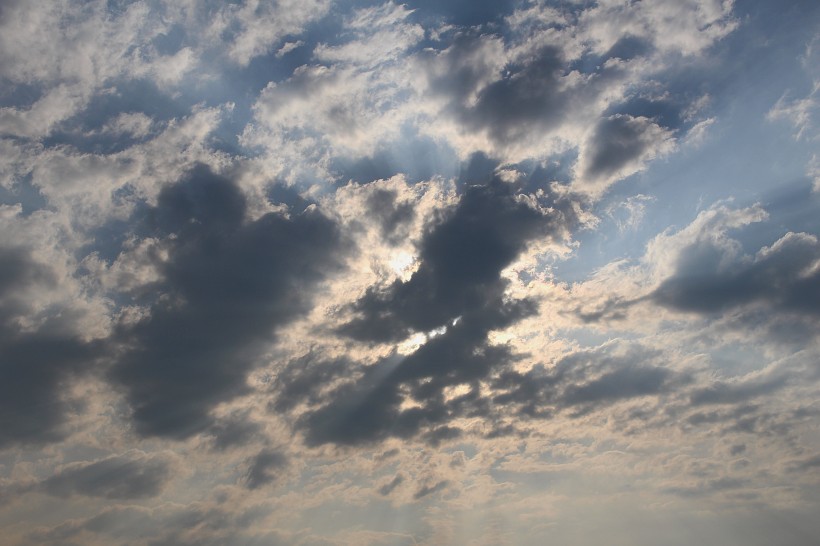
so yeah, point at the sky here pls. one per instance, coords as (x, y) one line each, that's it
(356, 272)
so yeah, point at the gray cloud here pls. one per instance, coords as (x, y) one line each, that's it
(430, 489)
(457, 287)
(528, 97)
(628, 47)
(781, 277)
(263, 467)
(388, 488)
(459, 274)
(617, 141)
(586, 381)
(119, 477)
(234, 430)
(228, 284)
(302, 379)
(619, 384)
(392, 215)
(35, 365)
(723, 392)
(808, 464)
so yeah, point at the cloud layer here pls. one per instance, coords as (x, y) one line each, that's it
(277, 272)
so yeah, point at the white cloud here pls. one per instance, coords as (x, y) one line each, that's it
(799, 112)
(264, 23)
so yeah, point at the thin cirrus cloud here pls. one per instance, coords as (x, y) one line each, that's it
(278, 272)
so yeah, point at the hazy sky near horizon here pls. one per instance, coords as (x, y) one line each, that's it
(526, 272)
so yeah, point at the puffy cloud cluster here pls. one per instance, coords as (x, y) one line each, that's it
(278, 272)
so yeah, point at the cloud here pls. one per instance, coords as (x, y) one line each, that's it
(234, 430)
(455, 297)
(393, 216)
(261, 25)
(800, 112)
(620, 145)
(587, 380)
(722, 392)
(39, 360)
(430, 489)
(784, 277)
(39, 48)
(228, 284)
(263, 467)
(355, 254)
(130, 476)
(388, 488)
(459, 273)
(526, 98)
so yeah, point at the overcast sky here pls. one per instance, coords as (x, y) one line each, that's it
(315, 272)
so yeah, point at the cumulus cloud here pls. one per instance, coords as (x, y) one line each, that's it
(227, 284)
(421, 272)
(38, 359)
(456, 296)
(618, 147)
(783, 276)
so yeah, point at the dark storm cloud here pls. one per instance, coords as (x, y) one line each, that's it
(783, 277)
(34, 371)
(263, 468)
(618, 140)
(17, 271)
(457, 291)
(121, 477)
(228, 285)
(34, 366)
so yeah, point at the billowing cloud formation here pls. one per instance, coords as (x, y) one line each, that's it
(227, 284)
(37, 363)
(619, 147)
(456, 296)
(460, 263)
(784, 276)
(380, 273)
